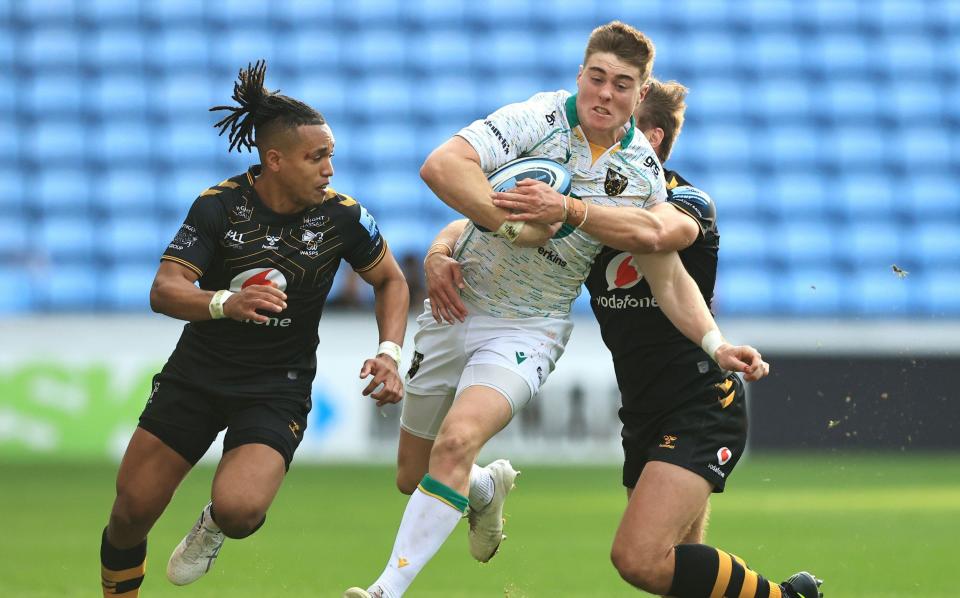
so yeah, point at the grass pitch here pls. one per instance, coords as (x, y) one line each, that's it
(879, 526)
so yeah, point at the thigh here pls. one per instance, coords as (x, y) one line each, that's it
(249, 475)
(421, 415)
(438, 357)
(663, 507)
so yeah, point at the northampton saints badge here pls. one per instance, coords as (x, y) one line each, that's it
(615, 184)
(415, 364)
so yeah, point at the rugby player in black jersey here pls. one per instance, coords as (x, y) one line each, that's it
(684, 418)
(249, 269)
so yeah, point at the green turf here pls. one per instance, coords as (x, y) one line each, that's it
(880, 526)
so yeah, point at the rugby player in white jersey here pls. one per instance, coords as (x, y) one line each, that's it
(519, 284)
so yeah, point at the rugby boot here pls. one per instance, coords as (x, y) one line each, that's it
(197, 552)
(486, 524)
(361, 593)
(803, 585)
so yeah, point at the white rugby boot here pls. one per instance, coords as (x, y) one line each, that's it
(486, 524)
(361, 593)
(197, 552)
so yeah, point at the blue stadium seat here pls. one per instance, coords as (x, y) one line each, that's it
(122, 47)
(777, 52)
(382, 97)
(54, 93)
(50, 47)
(872, 241)
(829, 14)
(46, 12)
(391, 144)
(933, 192)
(802, 241)
(916, 101)
(183, 185)
(189, 95)
(448, 96)
(128, 287)
(13, 191)
(369, 12)
(175, 49)
(696, 13)
(323, 94)
(496, 14)
(865, 194)
(173, 11)
(717, 98)
(852, 99)
(810, 291)
(858, 146)
(734, 192)
(744, 291)
(407, 234)
(743, 240)
(130, 239)
(897, 16)
(23, 279)
(796, 193)
(11, 138)
(119, 95)
(937, 292)
(240, 46)
(842, 53)
(74, 287)
(935, 243)
(926, 147)
(947, 12)
(68, 239)
(109, 11)
(877, 291)
(9, 92)
(315, 58)
(429, 138)
(768, 14)
(724, 145)
(303, 13)
(234, 13)
(443, 52)
(14, 240)
(127, 190)
(509, 89)
(189, 140)
(122, 141)
(59, 191)
(566, 46)
(395, 192)
(380, 50)
(430, 14)
(784, 99)
(713, 52)
(909, 55)
(508, 52)
(791, 146)
(8, 44)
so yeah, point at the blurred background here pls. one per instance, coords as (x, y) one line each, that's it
(827, 131)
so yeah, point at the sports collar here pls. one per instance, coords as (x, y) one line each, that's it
(570, 106)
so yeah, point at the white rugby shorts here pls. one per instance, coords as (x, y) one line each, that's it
(511, 355)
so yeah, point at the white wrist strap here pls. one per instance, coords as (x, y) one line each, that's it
(711, 342)
(216, 304)
(510, 230)
(391, 350)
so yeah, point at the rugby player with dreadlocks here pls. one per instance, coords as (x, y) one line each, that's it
(249, 269)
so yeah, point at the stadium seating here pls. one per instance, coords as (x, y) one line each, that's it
(826, 131)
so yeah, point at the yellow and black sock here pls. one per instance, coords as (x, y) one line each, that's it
(121, 571)
(702, 571)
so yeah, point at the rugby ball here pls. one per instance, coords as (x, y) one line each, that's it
(550, 172)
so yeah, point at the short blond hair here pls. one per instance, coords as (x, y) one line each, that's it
(663, 107)
(626, 43)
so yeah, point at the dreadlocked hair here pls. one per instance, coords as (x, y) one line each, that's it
(261, 108)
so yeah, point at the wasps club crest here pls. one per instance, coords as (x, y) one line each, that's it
(615, 184)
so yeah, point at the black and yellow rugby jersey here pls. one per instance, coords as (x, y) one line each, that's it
(656, 365)
(232, 240)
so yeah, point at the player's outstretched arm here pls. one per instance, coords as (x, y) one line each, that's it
(174, 294)
(637, 230)
(392, 302)
(681, 301)
(453, 172)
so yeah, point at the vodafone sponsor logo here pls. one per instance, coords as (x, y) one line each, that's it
(266, 277)
(622, 272)
(724, 455)
(263, 276)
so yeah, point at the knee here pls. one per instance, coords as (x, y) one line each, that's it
(454, 446)
(641, 569)
(133, 509)
(238, 519)
(407, 484)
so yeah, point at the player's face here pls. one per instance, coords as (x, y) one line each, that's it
(608, 91)
(308, 165)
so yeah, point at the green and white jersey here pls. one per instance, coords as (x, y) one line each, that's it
(515, 282)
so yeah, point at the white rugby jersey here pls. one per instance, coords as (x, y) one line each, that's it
(512, 282)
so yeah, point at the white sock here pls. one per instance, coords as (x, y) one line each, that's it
(481, 487)
(208, 521)
(432, 513)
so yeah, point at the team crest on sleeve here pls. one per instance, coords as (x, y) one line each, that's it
(615, 184)
(366, 219)
(186, 237)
